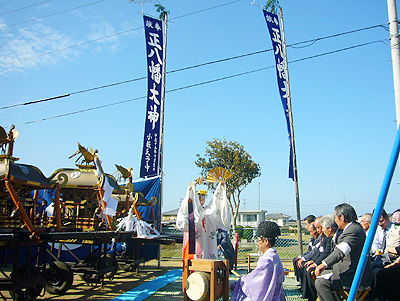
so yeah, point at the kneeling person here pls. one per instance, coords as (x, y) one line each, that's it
(266, 281)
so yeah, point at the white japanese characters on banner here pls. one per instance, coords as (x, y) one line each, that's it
(154, 47)
(281, 72)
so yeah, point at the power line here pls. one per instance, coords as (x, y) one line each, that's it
(192, 67)
(200, 84)
(22, 8)
(109, 36)
(188, 14)
(50, 15)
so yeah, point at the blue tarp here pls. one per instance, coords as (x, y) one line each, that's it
(149, 188)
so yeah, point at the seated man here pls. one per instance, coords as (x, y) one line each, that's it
(330, 231)
(266, 281)
(308, 221)
(366, 222)
(344, 258)
(382, 234)
(298, 262)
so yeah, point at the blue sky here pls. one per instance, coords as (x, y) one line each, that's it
(343, 103)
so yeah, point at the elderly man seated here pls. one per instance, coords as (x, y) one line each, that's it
(266, 281)
(366, 222)
(298, 262)
(344, 258)
(331, 232)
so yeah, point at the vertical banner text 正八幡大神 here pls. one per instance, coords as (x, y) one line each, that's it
(151, 142)
(281, 72)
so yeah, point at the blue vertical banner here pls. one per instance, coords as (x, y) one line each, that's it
(281, 72)
(155, 52)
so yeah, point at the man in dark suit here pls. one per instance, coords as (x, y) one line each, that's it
(330, 231)
(298, 262)
(344, 258)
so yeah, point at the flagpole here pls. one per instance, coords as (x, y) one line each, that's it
(289, 104)
(161, 154)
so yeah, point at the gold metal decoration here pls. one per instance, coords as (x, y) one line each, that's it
(218, 174)
(88, 156)
(199, 180)
(125, 172)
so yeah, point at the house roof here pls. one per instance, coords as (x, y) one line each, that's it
(276, 215)
(253, 211)
(171, 212)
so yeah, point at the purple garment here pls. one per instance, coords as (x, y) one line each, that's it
(265, 283)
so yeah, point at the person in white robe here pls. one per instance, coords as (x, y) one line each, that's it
(207, 220)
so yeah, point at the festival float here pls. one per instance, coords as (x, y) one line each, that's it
(77, 221)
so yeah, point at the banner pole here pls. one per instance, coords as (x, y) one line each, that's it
(161, 155)
(295, 176)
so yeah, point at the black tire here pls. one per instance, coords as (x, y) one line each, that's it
(59, 278)
(122, 261)
(104, 262)
(109, 261)
(30, 293)
(90, 278)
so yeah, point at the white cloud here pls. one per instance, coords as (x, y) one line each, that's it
(33, 47)
(101, 30)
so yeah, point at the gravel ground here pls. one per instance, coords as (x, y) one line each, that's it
(123, 282)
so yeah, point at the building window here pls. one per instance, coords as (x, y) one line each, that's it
(251, 218)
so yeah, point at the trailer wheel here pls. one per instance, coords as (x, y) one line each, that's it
(59, 278)
(123, 262)
(104, 262)
(30, 293)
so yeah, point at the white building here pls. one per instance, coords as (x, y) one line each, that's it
(279, 218)
(251, 218)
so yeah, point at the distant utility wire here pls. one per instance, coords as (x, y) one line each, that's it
(53, 14)
(199, 84)
(22, 8)
(110, 36)
(312, 41)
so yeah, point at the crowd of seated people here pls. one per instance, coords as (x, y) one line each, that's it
(333, 263)
(330, 263)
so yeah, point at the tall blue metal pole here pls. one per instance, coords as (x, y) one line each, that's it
(375, 218)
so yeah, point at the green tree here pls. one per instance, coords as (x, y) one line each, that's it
(162, 11)
(272, 6)
(231, 156)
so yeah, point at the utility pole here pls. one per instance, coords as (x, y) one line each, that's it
(394, 43)
(259, 196)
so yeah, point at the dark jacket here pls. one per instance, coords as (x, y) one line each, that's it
(324, 250)
(344, 258)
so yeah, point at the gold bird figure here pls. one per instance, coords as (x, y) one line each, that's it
(87, 155)
(125, 172)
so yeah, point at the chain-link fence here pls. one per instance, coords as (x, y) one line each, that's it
(287, 244)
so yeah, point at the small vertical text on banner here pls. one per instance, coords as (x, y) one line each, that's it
(154, 48)
(281, 72)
